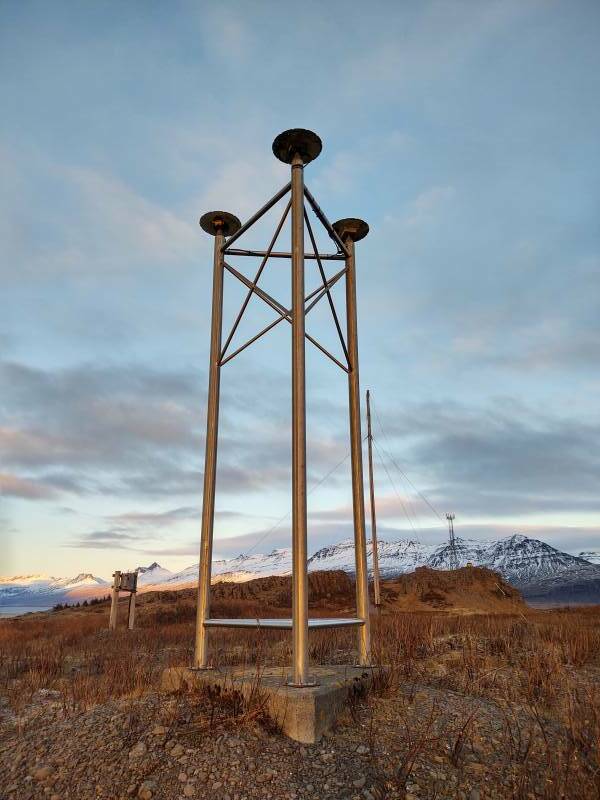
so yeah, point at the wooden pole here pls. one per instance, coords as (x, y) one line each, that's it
(114, 605)
(131, 611)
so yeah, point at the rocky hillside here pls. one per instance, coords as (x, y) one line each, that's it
(466, 590)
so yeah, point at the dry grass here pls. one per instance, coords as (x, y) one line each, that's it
(539, 670)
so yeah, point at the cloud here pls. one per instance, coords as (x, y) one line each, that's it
(14, 486)
(134, 431)
(427, 205)
(108, 539)
(157, 519)
(506, 459)
(112, 228)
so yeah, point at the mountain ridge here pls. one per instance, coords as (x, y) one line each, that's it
(529, 564)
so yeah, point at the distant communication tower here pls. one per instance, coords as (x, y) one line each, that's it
(452, 542)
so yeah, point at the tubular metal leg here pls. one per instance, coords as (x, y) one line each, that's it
(299, 508)
(210, 459)
(358, 499)
(376, 587)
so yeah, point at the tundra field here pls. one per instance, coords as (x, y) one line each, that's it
(484, 698)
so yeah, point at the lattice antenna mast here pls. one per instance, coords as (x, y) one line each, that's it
(452, 541)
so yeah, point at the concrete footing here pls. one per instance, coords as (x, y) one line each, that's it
(303, 714)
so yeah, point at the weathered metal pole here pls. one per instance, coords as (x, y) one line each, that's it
(218, 224)
(297, 147)
(376, 590)
(114, 603)
(350, 231)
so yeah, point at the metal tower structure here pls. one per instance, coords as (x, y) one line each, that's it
(452, 541)
(296, 147)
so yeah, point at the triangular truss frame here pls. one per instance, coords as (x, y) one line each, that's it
(311, 299)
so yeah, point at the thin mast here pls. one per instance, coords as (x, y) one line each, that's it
(376, 590)
(452, 540)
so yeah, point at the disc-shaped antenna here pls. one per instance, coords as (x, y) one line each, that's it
(297, 141)
(214, 222)
(356, 229)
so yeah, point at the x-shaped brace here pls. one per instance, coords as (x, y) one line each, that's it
(284, 313)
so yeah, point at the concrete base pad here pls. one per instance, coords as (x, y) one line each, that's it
(303, 714)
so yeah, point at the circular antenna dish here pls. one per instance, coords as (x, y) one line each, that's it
(297, 141)
(215, 222)
(356, 229)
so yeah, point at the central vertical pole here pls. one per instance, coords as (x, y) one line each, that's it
(210, 457)
(299, 508)
(376, 590)
(358, 499)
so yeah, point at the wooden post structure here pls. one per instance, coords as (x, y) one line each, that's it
(123, 582)
(131, 611)
(114, 604)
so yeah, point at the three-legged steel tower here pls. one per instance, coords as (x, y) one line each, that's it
(297, 148)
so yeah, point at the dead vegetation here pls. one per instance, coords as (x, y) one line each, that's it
(535, 673)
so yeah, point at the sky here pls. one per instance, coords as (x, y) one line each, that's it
(464, 133)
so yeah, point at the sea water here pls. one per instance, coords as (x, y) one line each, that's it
(17, 611)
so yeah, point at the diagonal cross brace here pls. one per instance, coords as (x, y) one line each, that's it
(260, 213)
(324, 279)
(285, 313)
(319, 291)
(325, 222)
(256, 277)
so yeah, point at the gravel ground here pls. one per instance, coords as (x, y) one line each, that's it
(420, 743)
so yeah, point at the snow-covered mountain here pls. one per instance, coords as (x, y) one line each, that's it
(394, 557)
(529, 564)
(238, 569)
(517, 558)
(593, 556)
(152, 574)
(44, 590)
